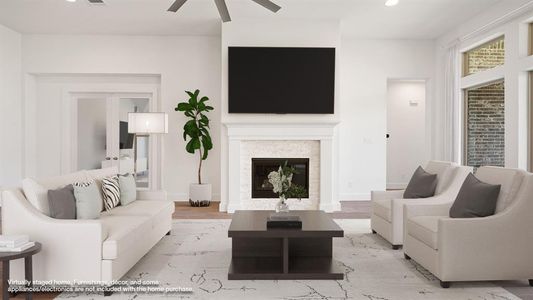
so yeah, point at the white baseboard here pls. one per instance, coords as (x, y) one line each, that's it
(355, 197)
(184, 197)
(397, 186)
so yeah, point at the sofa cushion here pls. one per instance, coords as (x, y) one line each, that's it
(424, 229)
(88, 200)
(128, 189)
(421, 185)
(143, 208)
(111, 190)
(98, 174)
(475, 199)
(123, 233)
(509, 179)
(62, 203)
(382, 208)
(36, 190)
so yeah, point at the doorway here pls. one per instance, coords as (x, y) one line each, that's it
(101, 138)
(406, 130)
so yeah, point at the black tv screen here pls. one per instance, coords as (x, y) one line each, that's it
(126, 139)
(281, 80)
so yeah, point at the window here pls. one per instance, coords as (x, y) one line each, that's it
(485, 125)
(484, 57)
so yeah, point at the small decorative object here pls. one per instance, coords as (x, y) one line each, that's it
(281, 181)
(196, 129)
(284, 221)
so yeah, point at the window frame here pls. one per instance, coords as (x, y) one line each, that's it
(465, 56)
(465, 116)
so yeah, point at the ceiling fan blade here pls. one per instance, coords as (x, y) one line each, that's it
(176, 5)
(273, 7)
(223, 10)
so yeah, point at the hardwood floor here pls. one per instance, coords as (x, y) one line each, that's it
(349, 210)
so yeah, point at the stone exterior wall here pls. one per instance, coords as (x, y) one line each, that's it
(486, 126)
(486, 57)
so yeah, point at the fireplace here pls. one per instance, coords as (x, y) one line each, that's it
(261, 167)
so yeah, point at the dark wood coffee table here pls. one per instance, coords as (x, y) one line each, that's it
(261, 253)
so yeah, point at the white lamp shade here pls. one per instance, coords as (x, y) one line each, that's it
(147, 123)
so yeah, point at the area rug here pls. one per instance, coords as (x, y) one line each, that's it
(197, 255)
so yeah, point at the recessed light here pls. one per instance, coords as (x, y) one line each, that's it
(71, 0)
(391, 2)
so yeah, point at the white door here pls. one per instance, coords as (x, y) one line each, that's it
(101, 138)
(406, 130)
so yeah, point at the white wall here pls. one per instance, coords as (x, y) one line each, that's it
(509, 18)
(183, 63)
(10, 108)
(406, 124)
(367, 65)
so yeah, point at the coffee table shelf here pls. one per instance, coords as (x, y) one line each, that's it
(261, 254)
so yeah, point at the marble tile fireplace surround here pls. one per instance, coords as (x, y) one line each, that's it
(313, 141)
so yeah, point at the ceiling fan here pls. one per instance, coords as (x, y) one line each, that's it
(223, 8)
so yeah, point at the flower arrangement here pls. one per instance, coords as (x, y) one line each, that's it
(281, 181)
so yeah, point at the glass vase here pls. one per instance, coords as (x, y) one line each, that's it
(282, 206)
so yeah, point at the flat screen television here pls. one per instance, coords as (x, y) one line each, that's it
(126, 139)
(281, 80)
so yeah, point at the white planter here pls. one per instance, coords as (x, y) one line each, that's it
(200, 194)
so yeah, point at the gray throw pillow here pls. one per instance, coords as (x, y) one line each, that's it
(475, 199)
(88, 200)
(62, 203)
(421, 185)
(128, 189)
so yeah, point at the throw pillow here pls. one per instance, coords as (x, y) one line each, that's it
(111, 191)
(62, 203)
(128, 189)
(475, 199)
(421, 185)
(88, 200)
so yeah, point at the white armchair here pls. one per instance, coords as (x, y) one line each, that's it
(387, 206)
(498, 247)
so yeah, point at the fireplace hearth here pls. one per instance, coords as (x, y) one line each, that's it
(261, 167)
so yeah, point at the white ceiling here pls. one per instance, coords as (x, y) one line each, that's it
(411, 19)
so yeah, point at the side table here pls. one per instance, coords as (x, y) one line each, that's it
(6, 257)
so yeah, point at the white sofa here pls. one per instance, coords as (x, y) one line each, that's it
(387, 206)
(100, 250)
(498, 247)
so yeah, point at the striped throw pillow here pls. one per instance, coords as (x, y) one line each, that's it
(111, 191)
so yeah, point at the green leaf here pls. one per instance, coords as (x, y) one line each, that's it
(204, 99)
(184, 106)
(208, 108)
(206, 141)
(193, 145)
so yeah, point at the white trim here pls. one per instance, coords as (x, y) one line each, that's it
(325, 132)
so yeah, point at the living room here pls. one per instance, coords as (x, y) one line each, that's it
(186, 115)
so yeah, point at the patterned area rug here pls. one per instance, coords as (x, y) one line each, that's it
(197, 256)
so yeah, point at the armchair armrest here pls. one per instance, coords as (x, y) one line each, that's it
(151, 195)
(429, 209)
(498, 247)
(71, 249)
(386, 195)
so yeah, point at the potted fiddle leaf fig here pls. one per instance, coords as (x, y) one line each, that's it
(196, 132)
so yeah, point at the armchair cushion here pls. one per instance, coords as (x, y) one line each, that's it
(422, 185)
(509, 179)
(425, 229)
(475, 199)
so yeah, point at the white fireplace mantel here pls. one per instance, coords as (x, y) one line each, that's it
(323, 132)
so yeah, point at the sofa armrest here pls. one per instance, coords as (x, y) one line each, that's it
(386, 195)
(71, 249)
(151, 195)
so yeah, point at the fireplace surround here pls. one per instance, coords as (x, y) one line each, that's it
(314, 140)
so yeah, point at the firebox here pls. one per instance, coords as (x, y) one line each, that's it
(261, 167)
